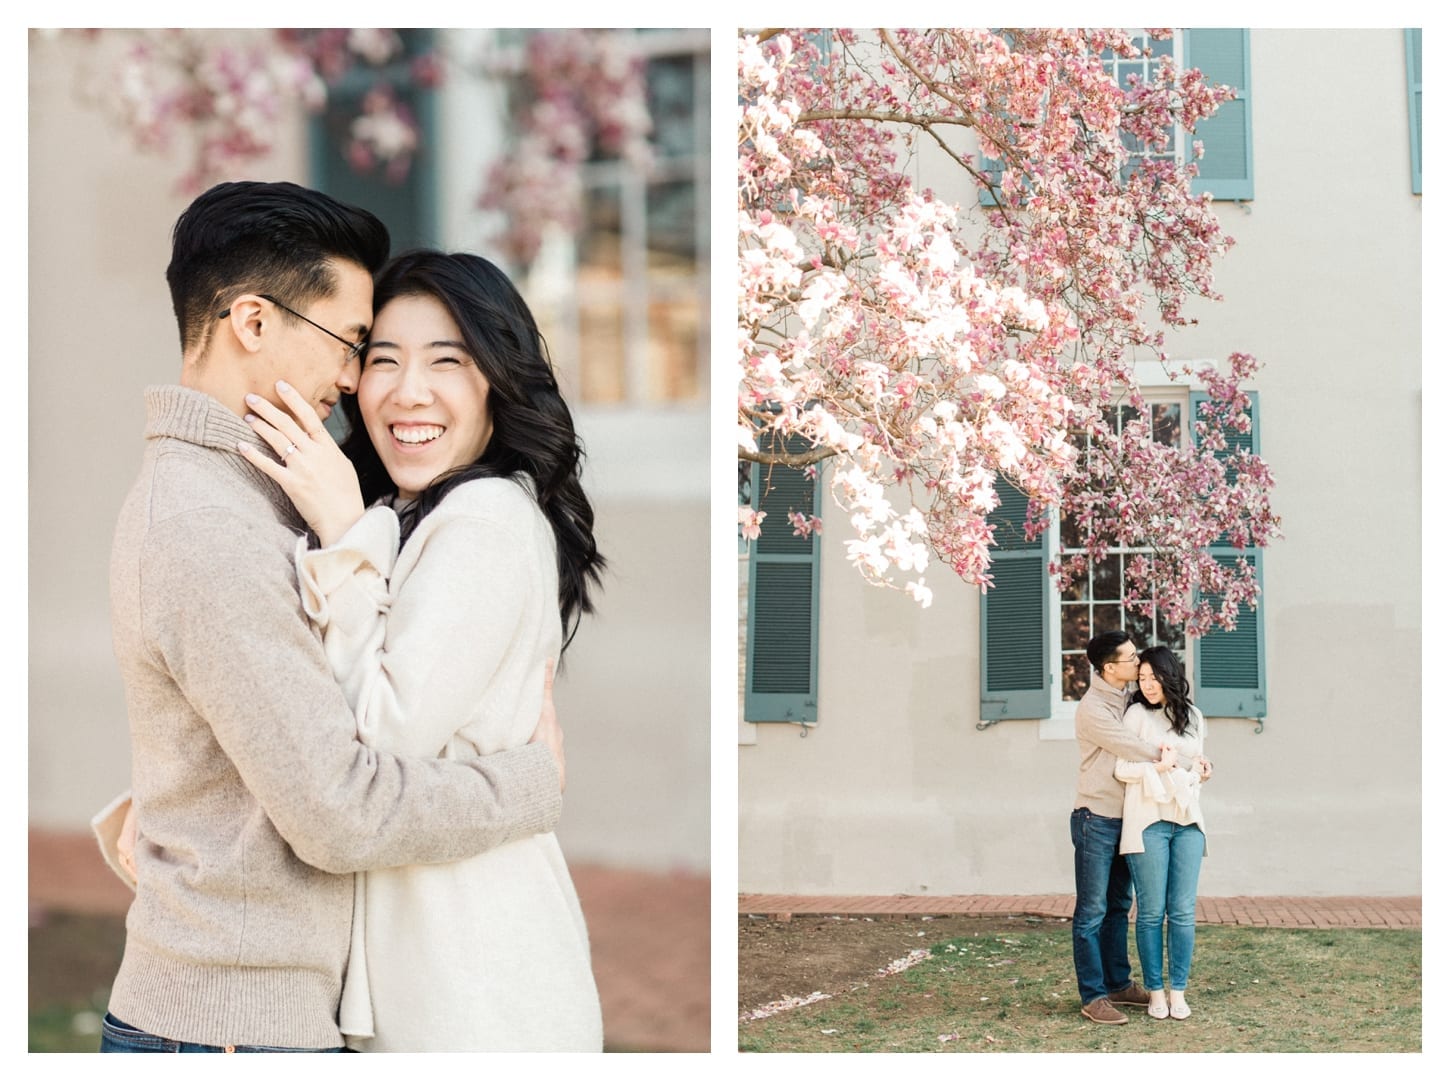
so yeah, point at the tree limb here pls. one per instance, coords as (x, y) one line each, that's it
(791, 461)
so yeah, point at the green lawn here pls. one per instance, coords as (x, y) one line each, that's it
(1252, 989)
(72, 961)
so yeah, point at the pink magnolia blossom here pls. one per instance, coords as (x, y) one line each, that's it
(749, 520)
(930, 347)
(803, 526)
(224, 94)
(583, 94)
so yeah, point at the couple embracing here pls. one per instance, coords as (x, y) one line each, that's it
(346, 768)
(1136, 826)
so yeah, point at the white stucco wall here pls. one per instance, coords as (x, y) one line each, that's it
(633, 696)
(897, 792)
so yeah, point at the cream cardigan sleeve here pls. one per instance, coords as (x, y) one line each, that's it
(1138, 722)
(397, 647)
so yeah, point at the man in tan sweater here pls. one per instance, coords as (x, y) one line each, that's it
(255, 801)
(1104, 887)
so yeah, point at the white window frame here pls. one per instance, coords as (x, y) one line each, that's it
(672, 437)
(1156, 387)
(1181, 142)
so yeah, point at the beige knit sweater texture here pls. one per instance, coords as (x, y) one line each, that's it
(1102, 739)
(255, 799)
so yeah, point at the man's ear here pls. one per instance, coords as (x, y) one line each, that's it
(244, 321)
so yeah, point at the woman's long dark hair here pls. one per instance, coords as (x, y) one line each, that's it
(533, 432)
(1176, 688)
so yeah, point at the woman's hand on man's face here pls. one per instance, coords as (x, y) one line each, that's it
(312, 470)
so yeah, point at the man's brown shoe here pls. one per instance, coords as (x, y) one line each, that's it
(1132, 995)
(1101, 1011)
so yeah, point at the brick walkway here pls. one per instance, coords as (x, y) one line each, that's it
(1399, 912)
(649, 934)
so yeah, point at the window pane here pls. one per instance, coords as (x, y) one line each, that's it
(1070, 536)
(671, 89)
(1108, 578)
(1076, 675)
(671, 210)
(1130, 67)
(1140, 627)
(674, 331)
(1077, 588)
(1075, 626)
(1167, 424)
(601, 347)
(1106, 617)
(600, 239)
(1157, 46)
(1169, 635)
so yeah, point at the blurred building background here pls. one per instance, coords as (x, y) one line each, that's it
(617, 272)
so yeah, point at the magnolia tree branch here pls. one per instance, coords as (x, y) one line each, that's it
(793, 461)
(937, 350)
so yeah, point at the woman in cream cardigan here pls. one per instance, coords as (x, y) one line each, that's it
(438, 605)
(1163, 838)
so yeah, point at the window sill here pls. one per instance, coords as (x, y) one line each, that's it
(1060, 725)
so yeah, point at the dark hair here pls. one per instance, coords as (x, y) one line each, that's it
(533, 432)
(1104, 648)
(251, 237)
(1176, 688)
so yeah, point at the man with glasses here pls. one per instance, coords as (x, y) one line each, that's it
(253, 797)
(1104, 887)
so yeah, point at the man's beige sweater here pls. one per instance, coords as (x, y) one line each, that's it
(255, 800)
(1102, 739)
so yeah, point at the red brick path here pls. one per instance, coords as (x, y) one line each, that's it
(650, 936)
(1402, 912)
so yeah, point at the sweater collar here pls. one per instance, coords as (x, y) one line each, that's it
(1103, 687)
(176, 412)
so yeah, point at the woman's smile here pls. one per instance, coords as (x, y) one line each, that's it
(424, 400)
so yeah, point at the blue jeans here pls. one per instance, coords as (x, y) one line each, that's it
(1104, 898)
(1165, 874)
(118, 1037)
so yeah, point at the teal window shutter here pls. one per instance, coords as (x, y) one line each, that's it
(1229, 665)
(1412, 73)
(1014, 618)
(783, 611)
(409, 208)
(1227, 166)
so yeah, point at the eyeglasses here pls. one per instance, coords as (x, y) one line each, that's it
(354, 349)
(1126, 660)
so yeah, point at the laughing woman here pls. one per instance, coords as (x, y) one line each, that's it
(1163, 838)
(437, 606)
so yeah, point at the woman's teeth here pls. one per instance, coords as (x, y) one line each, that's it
(417, 433)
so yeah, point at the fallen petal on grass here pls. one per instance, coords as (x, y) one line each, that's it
(901, 964)
(781, 1005)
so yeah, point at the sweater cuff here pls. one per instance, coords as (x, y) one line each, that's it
(106, 826)
(538, 803)
(368, 550)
